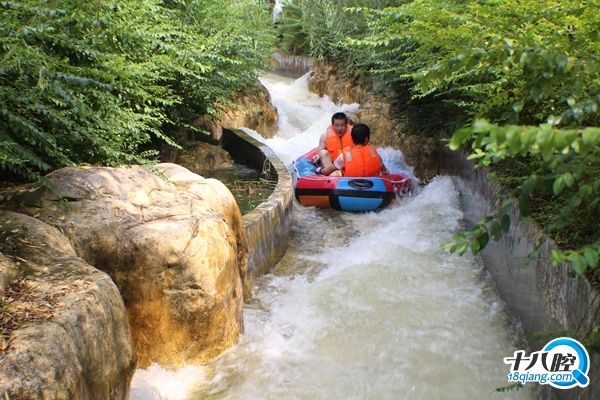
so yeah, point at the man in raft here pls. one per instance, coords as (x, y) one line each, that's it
(359, 159)
(334, 139)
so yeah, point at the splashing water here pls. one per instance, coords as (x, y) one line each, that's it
(303, 116)
(362, 306)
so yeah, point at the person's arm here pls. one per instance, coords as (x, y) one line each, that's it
(318, 157)
(384, 170)
(338, 164)
(323, 141)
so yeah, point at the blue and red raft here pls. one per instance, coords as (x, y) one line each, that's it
(346, 193)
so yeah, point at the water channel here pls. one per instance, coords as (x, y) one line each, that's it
(362, 306)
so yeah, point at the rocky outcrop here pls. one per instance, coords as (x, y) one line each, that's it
(386, 118)
(326, 79)
(202, 157)
(174, 245)
(200, 153)
(253, 109)
(64, 330)
(291, 65)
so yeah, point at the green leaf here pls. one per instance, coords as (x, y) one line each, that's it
(495, 230)
(558, 185)
(526, 191)
(579, 263)
(475, 246)
(544, 140)
(518, 106)
(557, 257)
(482, 126)
(483, 240)
(505, 223)
(568, 178)
(591, 257)
(591, 136)
(561, 62)
(458, 138)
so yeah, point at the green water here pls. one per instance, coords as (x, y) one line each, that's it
(248, 186)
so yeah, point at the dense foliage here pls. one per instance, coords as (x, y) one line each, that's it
(89, 82)
(527, 73)
(319, 28)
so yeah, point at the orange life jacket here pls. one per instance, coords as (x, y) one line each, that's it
(334, 143)
(361, 161)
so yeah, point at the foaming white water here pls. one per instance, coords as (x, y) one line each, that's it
(303, 116)
(390, 315)
(157, 383)
(362, 306)
(395, 163)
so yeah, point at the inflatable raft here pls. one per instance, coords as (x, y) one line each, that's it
(345, 193)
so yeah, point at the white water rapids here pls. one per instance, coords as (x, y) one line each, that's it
(362, 306)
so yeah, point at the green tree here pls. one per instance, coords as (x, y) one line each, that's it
(89, 82)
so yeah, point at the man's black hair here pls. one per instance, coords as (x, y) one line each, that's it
(339, 115)
(360, 134)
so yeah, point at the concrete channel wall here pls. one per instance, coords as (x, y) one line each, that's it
(268, 226)
(547, 301)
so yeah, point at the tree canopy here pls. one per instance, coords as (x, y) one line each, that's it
(89, 82)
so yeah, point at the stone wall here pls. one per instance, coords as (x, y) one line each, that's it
(268, 226)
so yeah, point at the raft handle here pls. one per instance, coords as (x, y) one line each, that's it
(360, 183)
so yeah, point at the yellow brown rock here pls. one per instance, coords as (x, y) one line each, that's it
(64, 331)
(252, 109)
(202, 157)
(174, 245)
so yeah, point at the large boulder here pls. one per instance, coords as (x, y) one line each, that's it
(202, 158)
(253, 110)
(63, 325)
(173, 242)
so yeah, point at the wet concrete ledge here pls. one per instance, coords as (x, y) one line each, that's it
(268, 226)
(548, 301)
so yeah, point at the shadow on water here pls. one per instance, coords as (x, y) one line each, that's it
(248, 185)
